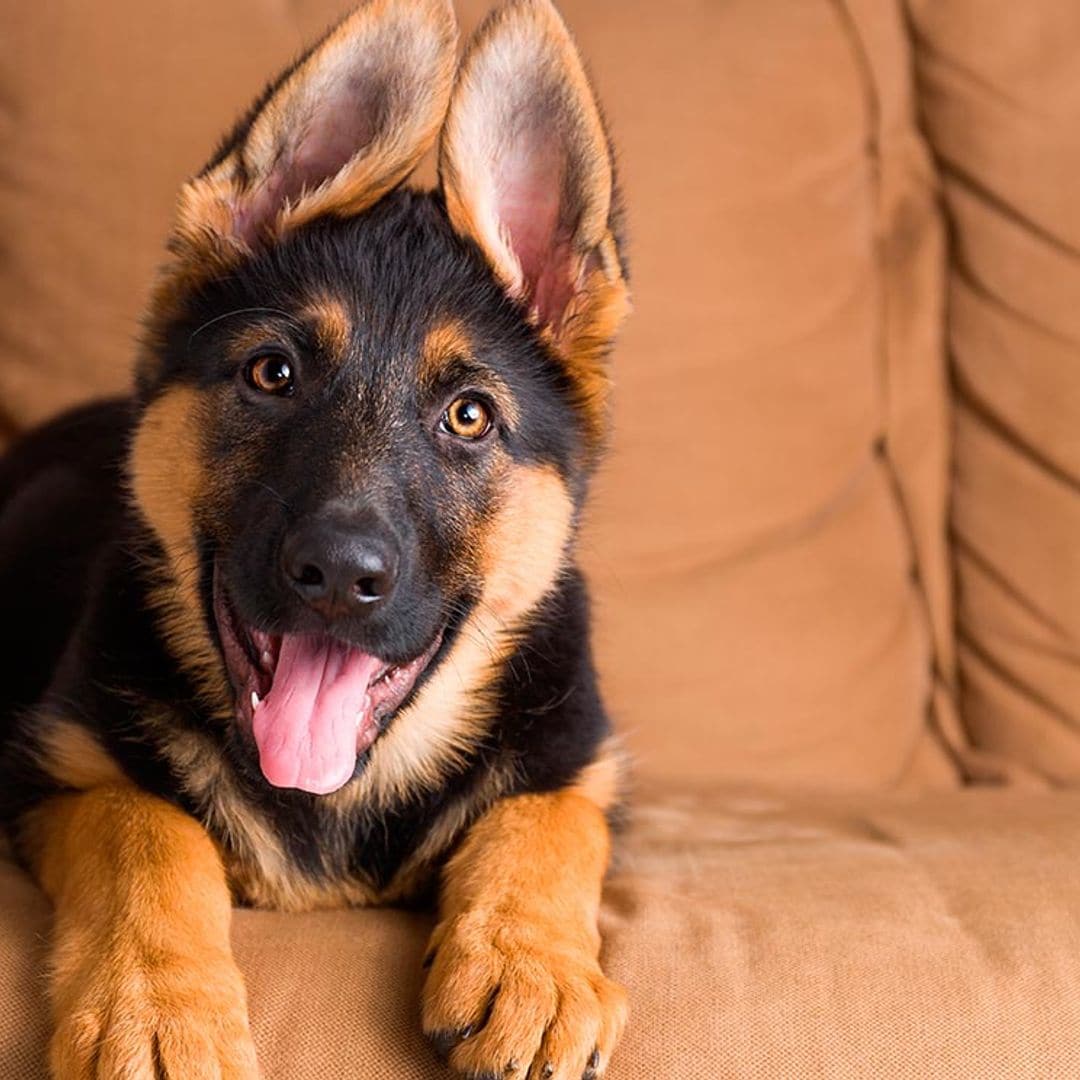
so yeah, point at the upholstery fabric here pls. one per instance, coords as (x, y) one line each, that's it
(1001, 96)
(760, 936)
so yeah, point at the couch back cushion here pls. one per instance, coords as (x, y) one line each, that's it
(766, 542)
(1000, 87)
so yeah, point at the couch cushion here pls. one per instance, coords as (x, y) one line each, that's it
(1001, 97)
(760, 936)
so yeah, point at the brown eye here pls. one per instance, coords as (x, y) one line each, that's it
(467, 418)
(271, 373)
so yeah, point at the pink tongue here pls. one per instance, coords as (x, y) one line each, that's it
(306, 728)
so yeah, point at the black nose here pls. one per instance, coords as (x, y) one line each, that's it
(342, 564)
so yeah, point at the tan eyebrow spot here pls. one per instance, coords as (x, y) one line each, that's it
(448, 344)
(333, 327)
(444, 342)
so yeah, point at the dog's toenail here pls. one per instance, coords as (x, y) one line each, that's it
(444, 1041)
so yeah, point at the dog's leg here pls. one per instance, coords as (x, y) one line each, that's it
(143, 985)
(515, 982)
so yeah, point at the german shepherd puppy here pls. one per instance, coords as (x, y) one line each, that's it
(301, 623)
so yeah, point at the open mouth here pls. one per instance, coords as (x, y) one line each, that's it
(314, 703)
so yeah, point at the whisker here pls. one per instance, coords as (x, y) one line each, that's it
(240, 311)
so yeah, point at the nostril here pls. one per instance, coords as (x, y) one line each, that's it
(310, 576)
(369, 588)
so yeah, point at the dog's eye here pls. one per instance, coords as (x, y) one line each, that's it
(270, 373)
(467, 418)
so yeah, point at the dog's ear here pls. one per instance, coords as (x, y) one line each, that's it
(526, 170)
(332, 134)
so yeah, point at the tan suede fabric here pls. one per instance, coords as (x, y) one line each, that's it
(760, 936)
(1001, 93)
(767, 542)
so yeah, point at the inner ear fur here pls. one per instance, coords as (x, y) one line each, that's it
(333, 134)
(527, 172)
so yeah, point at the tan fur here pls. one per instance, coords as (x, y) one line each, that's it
(524, 552)
(333, 326)
(603, 781)
(524, 54)
(72, 756)
(591, 324)
(518, 926)
(445, 341)
(141, 969)
(167, 480)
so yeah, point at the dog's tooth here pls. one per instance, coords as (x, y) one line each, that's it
(267, 659)
(254, 700)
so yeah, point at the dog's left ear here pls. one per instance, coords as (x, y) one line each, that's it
(332, 135)
(526, 169)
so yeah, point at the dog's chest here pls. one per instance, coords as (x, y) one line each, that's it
(275, 855)
(322, 861)
(324, 852)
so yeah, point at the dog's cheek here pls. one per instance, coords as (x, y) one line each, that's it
(166, 473)
(168, 482)
(520, 547)
(526, 542)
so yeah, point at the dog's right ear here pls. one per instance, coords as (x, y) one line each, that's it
(331, 135)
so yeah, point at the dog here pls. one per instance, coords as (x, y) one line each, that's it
(299, 623)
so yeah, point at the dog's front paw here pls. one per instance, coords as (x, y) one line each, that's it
(141, 1017)
(509, 1000)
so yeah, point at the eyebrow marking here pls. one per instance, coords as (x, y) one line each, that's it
(446, 363)
(444, 343)
(332, 325)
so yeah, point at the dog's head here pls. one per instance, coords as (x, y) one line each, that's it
(368, 413)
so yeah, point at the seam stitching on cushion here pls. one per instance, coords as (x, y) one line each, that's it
(938, 676)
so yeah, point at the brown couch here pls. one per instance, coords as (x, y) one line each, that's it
(836, 549)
